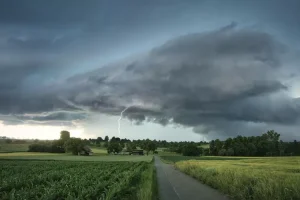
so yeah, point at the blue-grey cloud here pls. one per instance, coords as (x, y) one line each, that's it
(210, 80)
(228, 75)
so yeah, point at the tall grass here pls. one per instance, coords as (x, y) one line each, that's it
(148, 189)
(257, 179)
(176, 158)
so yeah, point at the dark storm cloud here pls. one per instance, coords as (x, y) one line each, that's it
(90, 16)
(39, 43)
(213, 81)
(218, 80)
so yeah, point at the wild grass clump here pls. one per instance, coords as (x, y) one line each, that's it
(176, 158)
(257, 179)
(148, 189)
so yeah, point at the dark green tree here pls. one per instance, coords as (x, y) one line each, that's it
(149, 146)
(191, 150)
(114, 147)
(8, 141)
(105, 144)
(230, 152)
(99, 140)
(222, 152)
(251, 149)
(74, 145)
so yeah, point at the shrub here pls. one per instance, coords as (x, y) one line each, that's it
(74, 145)
(191, 150)
(222, 152)
(52, 147)
(230, 152)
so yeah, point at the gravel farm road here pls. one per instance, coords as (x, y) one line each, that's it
(175, 185)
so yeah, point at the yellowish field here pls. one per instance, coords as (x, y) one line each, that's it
(259, 178)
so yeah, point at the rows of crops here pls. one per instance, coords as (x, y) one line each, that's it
(70, 180)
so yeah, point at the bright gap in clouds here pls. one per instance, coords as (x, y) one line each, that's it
(42, 132)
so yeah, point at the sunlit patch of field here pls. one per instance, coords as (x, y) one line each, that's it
(205, 146)
(99, 150)
(260, 178)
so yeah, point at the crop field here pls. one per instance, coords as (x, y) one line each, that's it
(268, 178)
(76, 180)
(68, 157)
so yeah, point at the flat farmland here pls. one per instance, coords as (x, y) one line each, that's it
(269, 178)
(20, 179)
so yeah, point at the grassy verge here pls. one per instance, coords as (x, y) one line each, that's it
(259, 179)
(162, 158)
(148, 189)
(176, 158)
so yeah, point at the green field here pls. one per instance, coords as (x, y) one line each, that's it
(98, 150)
(68, 157)
(13, 147)
(276, 178)
(76, 180)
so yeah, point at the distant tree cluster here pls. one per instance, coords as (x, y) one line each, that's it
(114, 147)
(55, 146)
(50, 147)
(191, 150)
(64, 144)
(268, 144)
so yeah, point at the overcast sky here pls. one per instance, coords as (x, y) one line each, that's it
(182, 69)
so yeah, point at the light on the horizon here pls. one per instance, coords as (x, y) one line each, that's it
(42, 132)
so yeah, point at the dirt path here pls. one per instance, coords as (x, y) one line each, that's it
(174, 185)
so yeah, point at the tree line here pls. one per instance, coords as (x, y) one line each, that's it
(268, 144)
(62, 145)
